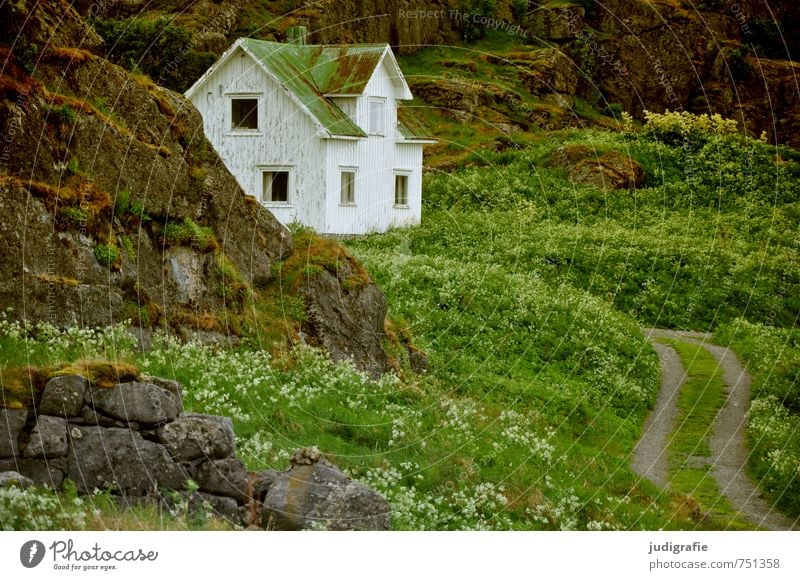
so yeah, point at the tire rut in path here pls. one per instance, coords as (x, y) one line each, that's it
(728, 445)
(650, 456)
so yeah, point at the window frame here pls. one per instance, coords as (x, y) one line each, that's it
(407, 175)
(230, 129)
(354, 172)
(288, 169)
(382, 102)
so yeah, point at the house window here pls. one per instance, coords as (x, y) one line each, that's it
(244, 114)
(376, 115)
(275, 187)
(348, 188)
(400, 189)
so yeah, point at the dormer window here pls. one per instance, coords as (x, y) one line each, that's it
(244, 113)
(377, 110)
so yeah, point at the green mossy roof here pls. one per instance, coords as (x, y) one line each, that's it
(410, 124)
(311, 72)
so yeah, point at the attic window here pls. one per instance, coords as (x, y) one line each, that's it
(275, 187)
(376, 115)
(244, 114)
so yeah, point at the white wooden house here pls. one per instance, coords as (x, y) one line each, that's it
(317, 132)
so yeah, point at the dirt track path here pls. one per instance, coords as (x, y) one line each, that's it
(728, 449)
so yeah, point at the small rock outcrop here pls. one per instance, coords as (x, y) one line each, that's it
(12, 478)
(315, 494)
(611, 170)
(135, 440)
(347, 322)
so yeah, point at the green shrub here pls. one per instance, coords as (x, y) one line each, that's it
(156, 47)
(189, 233)
(74, 216)
(677, 128)
(106, 254)
(772, 356)
(62, 114)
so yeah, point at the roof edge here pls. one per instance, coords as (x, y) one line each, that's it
(213, 68)
(321, 129)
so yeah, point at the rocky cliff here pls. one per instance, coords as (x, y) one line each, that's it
(719, 57)
(722, 56)
(113, 206)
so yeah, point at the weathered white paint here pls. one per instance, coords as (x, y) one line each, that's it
(288, 138)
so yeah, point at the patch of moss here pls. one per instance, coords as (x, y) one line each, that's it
(108, 255)
(72, 216)
(83, 198)
(205, 321)
(188, 233)
(233, 287)
(314, 254)
(73, 55)
(57, 280)
(21, 387)
(100, 373)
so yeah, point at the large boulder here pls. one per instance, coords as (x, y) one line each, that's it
(346, 320)
(120, 459)
(48, 438)
(315, 494)
(610, 170)
(63, 396)
(144, 403)
(12, 422)
(193, 436)
(225, 477)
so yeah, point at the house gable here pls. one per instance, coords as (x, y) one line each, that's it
(314, 75)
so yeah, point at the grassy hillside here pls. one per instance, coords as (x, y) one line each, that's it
(527, 291)
(520, 278)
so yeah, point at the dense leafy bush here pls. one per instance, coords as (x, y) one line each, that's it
(679, 128)
(156, 47)
(708, 239)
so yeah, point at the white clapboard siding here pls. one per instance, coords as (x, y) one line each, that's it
(287, 137)
(375, 159)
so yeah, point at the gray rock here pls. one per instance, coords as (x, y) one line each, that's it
(314, 494)
(222, 507)
(43, 472)
(9, 478)
(193, 436)
(92, 417)
(349, 324)
(226, 477)
(143, 403)
(48, 439)
(122, 460)
(173, 387)
(63, 396)
(261, 481)
(12, 421)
